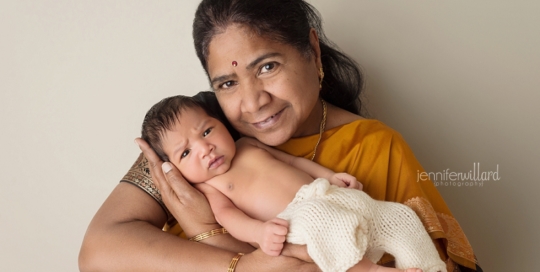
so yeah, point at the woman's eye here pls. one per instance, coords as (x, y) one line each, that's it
(206, 132)
(268, 67)
(184, 154)
(226, 85)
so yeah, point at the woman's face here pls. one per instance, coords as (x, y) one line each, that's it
(267, 90)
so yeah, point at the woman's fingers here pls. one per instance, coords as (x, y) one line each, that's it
(262, 262)
(164, 175)
(186, 204)
(184, 191)
(296, 251)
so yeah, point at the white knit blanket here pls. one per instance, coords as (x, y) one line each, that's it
(340, 226)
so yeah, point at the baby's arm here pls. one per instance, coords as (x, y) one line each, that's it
(269, 235)
(313, 169)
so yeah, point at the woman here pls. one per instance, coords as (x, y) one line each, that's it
(277, 79)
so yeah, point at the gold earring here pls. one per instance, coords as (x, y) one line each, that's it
(321, 76)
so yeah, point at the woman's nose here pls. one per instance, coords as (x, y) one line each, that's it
(253, 96)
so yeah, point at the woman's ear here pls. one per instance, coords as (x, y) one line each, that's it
(315, 47)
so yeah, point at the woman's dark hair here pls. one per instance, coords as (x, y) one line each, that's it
(288, 22)
(165, 113)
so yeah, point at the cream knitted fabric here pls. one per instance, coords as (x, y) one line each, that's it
(340, 226)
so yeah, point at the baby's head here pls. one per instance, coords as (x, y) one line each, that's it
(181, 130)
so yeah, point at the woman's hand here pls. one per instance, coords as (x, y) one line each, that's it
(293, 258)
(186, 204)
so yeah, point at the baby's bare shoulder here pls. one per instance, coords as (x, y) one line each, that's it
(246, 142)
(248, 152)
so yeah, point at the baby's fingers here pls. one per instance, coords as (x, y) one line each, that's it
(284, 224)
(355, 185)
(275, 249)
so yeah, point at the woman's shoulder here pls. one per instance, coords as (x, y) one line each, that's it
(343, 121)
(369, 134)
(365, 129)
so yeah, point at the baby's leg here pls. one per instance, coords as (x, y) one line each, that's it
(398, 231)
(365, 265)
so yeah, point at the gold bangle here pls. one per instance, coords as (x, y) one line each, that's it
(234, 261)
(208, 234)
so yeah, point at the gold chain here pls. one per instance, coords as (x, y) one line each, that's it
(321, 129)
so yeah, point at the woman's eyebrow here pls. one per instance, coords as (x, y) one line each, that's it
(250, 66)
(260, 59)
(220, 79)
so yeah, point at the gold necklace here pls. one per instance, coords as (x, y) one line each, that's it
(321, 129)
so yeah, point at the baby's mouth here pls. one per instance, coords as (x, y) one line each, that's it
(216, 162)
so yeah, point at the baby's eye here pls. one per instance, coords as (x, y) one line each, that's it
(268, 67)
(206, 132)
(184, 154)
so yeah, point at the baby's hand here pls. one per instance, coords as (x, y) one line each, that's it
(273, 234)
(345, 180)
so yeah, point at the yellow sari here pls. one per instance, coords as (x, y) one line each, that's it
(382, 161)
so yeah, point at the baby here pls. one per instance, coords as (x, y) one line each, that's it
(266, 197)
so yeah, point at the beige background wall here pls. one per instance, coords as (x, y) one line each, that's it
(459, 79)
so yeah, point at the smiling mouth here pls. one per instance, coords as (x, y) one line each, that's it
(268, 121)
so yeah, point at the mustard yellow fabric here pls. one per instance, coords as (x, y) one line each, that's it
(382, 161)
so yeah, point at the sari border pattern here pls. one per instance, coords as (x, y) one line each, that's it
(457, 243)
(139, 175)
(427, 214)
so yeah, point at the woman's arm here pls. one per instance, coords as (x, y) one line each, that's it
(126, 233)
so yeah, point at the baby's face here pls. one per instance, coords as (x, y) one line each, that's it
(199, 146)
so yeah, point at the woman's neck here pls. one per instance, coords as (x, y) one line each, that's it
(337, 116)
(312, 124)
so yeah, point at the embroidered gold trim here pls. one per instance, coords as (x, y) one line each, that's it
(139, 175)
(458, 244)
(425, 211)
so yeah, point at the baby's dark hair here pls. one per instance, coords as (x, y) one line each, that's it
(162, 116)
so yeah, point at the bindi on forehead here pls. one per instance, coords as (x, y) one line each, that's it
(230, 41)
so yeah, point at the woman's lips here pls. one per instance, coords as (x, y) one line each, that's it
(268, 122)
(215, 163)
